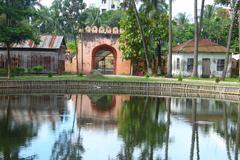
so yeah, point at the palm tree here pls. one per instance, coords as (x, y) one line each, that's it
(209, 11)
(182, 19)
(169, 62)
(239, 39)
(154, 9)
(201, 19)
(93, 17)
(235, 9)
(196, 38)
(144, 41)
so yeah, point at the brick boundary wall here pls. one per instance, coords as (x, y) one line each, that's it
(231, 93)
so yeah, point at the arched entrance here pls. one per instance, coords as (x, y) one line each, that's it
(104, 59)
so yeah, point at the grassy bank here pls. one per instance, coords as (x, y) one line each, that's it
(197, 81)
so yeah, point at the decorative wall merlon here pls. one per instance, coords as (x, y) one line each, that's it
(103, 30)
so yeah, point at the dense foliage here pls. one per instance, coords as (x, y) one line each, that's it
(14, 24)
(155, 31)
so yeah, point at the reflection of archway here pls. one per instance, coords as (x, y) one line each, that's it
(104, 59)
(103, 103)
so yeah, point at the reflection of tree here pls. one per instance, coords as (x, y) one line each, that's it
(226, 132)
(13, 135)
(195, 137)
(238, 134)
(229, 127)
(168, 105)
(139, 127)
(102, 102)
(67, 147)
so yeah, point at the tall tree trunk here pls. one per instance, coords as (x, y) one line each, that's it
(149, 69)
(157, 108)
(159, 72)
(237, 134)
(239, 42)
(168, 105)
(131, 68)
(75, 113)
(194, 121)
(201, 20)
(169, 60)
(76, 44)
(195, 64)
(226, 132)
(82, 50)
(8, 60)
(224, 73)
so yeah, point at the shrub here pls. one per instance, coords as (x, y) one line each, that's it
(217, 80)
(146, 76)
(3, 72)
(17, 71)
(80, 74)
(180, 78)
(38, 69)
(50, 75)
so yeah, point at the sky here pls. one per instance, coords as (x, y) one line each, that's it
(179, 6)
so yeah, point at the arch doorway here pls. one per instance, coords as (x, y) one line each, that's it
(104, 59)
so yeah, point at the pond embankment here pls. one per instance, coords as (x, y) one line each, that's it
(117, 87)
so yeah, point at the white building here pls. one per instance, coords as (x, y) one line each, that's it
(106, 5)
(211, 59)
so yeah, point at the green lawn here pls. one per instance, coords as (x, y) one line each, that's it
(197, 81)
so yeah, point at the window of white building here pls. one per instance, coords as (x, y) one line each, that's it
(220, 64)
(189, 64)
(178, 63)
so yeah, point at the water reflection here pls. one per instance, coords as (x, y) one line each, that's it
(117, 127)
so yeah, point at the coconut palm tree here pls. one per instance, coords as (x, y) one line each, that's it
(93, 17)
(169, 61)
(182, 19)
(234, 13)
(144, 41)
(201, 18)
(196, 41)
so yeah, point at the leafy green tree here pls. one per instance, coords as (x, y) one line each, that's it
(182, 19)
(216, 24)
(72, 18)
(182, 29)
(234, 4)
(14, 24)
(72, 47)
(93, 17)
(154, 30)
(156, 10)
(112, 18)
(43, 20)
(143, 37)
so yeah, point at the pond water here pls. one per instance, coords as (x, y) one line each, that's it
(117, 127)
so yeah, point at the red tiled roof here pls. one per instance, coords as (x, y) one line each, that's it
(205, 46)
